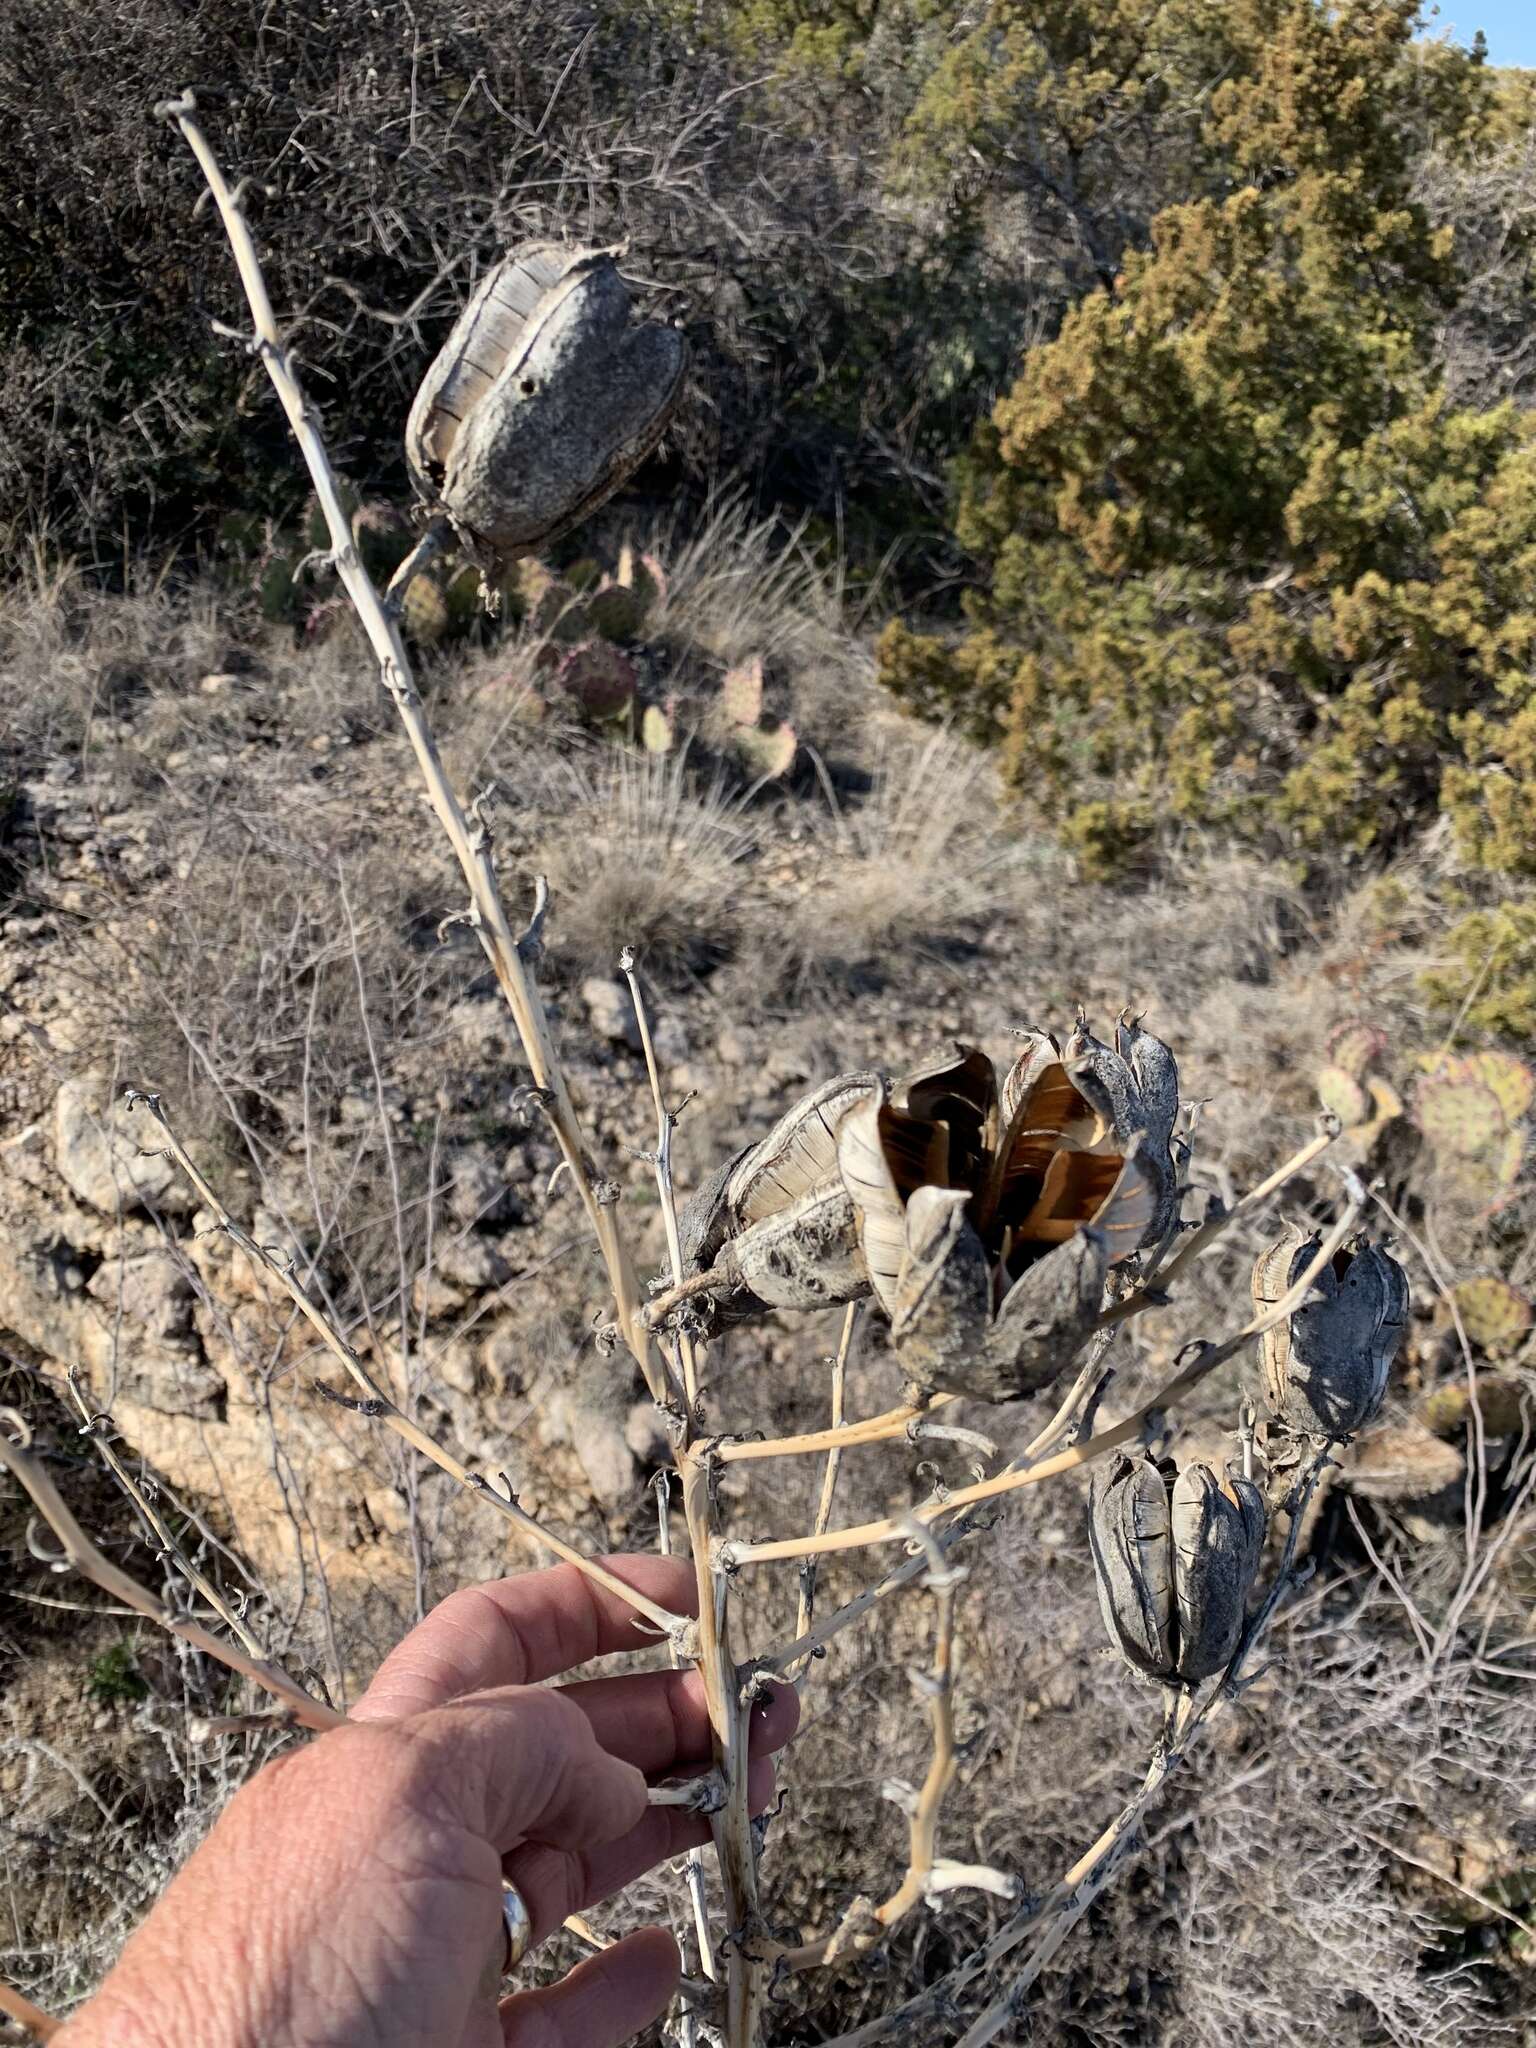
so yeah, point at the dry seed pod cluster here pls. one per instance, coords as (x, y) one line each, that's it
(541, 402)
(982, 1215)
(1175, 1555)
(1325, 1366)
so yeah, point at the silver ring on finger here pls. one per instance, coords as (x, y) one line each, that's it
(517, 1924)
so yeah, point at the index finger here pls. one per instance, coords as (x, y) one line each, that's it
(521, 1630)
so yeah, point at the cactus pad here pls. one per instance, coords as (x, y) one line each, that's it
(1340, 1092)
(1511, 1080)
(658, 730)
(741, 693)
(601, 680)
(423, 611)
(616, 614)
(766, 755)
(1463, 1118)
(1495, 1316)
(1355, 1046)
(1504, 1404)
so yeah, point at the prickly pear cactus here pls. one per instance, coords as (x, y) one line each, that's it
(423, 611)
(1462, 1117)
(658, 728)
(1495, 1315)
(1510, 1079)
(1470, 1109)
(601, 680)
(741, 693)
(769, 754)
(1355, 1046)
(1504, 1403)
(1341, 1093)
(1348, 1087)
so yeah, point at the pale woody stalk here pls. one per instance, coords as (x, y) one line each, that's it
(805, 1611)
(489, 920)
(732, 1827)
(470, 842)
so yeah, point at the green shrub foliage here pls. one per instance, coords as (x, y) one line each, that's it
(1245, 562)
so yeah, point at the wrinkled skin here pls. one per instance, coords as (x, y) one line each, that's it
(350, 1897)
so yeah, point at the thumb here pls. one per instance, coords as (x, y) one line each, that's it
(522, 1764)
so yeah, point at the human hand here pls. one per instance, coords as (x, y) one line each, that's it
(351, 1892)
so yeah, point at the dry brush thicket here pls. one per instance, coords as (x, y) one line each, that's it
(425, 1154)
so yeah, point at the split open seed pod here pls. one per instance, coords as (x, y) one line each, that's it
(990, 1214)
(542, 401)
(1175, 1555)
(982, 1215)
(1326, 1365)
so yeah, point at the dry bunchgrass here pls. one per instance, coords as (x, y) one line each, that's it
(643, 853)
(914, 865)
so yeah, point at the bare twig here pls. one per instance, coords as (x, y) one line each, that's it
(81, 1555)
(723, 1696)
(805, 1611)
(26, 2014)
(666, 1123)
(470, 841)
(100, 1431)
(377, 1404)
(694, 1863)
(864, 1925)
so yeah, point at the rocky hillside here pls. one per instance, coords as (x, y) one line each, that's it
(220, 884)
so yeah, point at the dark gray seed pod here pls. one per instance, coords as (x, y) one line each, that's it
(542, 401)
(1129, 1536)
(1218, 1534)
(1325, 1366)
(1108, 1080)
(1044, 1319)
(1175, 1558)
(943, 1294)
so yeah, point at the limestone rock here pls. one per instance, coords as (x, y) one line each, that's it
(610, 1011)
(97, 1145)
(151, 1291)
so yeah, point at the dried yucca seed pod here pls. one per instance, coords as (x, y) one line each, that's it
(1326, 1365)
(542, 401)
(982, 1214)
(1174, 1558)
